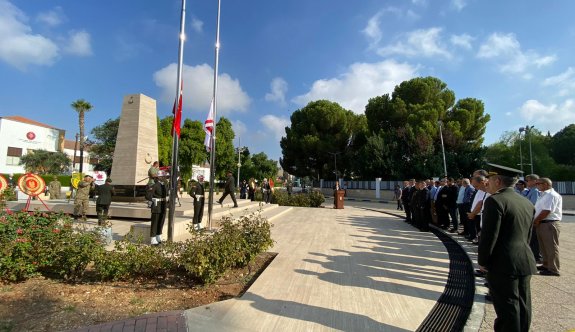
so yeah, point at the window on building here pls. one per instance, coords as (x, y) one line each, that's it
(13, 156)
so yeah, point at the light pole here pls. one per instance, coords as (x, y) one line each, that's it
(440, 123)
(335, 162)
(520, 149)
(240, 150)
(528, 132)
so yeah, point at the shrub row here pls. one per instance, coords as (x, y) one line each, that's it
(47, 243)
(310, 199)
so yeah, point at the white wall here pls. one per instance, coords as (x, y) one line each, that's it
(27, 137)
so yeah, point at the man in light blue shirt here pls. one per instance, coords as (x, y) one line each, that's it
(532, 194)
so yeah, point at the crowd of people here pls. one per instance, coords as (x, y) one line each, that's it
(515, 224)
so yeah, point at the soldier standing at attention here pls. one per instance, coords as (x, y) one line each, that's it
(104, 193)
(82, 197)
(55, 187)
(197, 192)
(504, 251)
(159, 205)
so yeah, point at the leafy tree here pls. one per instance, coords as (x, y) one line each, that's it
(45, 162)
(191, 147)
(407, 124)
(320, 128)
(259, 167)
(103, 144)
(165, 140)
(225, 156)
(81, 106)
(563, 146)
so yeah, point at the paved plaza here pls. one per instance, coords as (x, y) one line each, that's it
(357, 269)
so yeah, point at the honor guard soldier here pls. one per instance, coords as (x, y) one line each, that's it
(197, 192)
(159, 194)
(82, 197)
(504, 251)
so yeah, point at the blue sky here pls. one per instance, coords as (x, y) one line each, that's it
(276, 56)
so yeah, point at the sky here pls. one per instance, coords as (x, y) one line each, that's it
(517, 56)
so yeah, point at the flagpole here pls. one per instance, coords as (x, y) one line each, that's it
(175, 168)
(213, 137)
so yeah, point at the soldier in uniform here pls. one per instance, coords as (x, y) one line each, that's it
(54, 188)
(153, 172)
(159, 193)
(82, 197)
(197, 192)
(104, 193)
(504, 251)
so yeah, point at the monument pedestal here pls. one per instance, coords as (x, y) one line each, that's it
(136, 147)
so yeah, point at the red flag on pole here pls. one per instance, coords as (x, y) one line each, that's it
(209, 127)
(177, 114)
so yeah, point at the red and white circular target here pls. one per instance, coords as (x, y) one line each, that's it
(31, 184)
(3, 183)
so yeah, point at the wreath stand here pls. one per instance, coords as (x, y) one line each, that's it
(27, 206)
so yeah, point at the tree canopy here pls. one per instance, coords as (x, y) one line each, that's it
(45, 162)
(318, 131)
(103, 144)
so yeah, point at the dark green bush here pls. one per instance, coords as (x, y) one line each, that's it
(310, 199)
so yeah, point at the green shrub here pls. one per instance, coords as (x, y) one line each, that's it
(44, 242)
(311, 199)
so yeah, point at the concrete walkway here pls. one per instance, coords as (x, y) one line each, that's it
(359, 269)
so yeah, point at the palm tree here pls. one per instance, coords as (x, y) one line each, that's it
(81, 106)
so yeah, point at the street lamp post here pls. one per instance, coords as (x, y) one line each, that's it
(440, 123)
(528, 131)
(239, 160)
(335, 162)
(520, 149)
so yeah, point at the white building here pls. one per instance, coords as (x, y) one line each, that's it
(20, 135)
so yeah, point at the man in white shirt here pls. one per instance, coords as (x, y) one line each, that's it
(548, 214)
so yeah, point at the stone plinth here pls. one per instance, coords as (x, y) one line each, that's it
(136, 144)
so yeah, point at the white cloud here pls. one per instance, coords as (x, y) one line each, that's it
(372, 30)
(458, 4)
(79, 43)
(52, 17)
(506, 49)
(197, 25)
(279, 88)
(552, 117)
(421, 42)
(564, 81)
(275, 125)
(239, 128)
(19, 47)
(463, 41)
(362, 81)
(198, 87)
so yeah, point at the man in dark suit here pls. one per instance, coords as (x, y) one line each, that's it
(229, 189)
(197, 191)
(504, 251)
(408, 189)
(104, 193)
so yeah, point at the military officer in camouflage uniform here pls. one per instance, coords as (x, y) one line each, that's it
(54, 188)
(82, 197)
(197, 192)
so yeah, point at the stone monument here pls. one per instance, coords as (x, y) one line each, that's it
(136, 147)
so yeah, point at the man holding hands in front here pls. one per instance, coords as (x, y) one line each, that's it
(504, 251)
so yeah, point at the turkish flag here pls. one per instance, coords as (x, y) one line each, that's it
(177, 114)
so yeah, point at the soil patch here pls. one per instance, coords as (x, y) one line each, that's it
(42, 304)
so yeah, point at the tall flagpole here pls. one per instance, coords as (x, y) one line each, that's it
(213, 137)
(175, 168)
